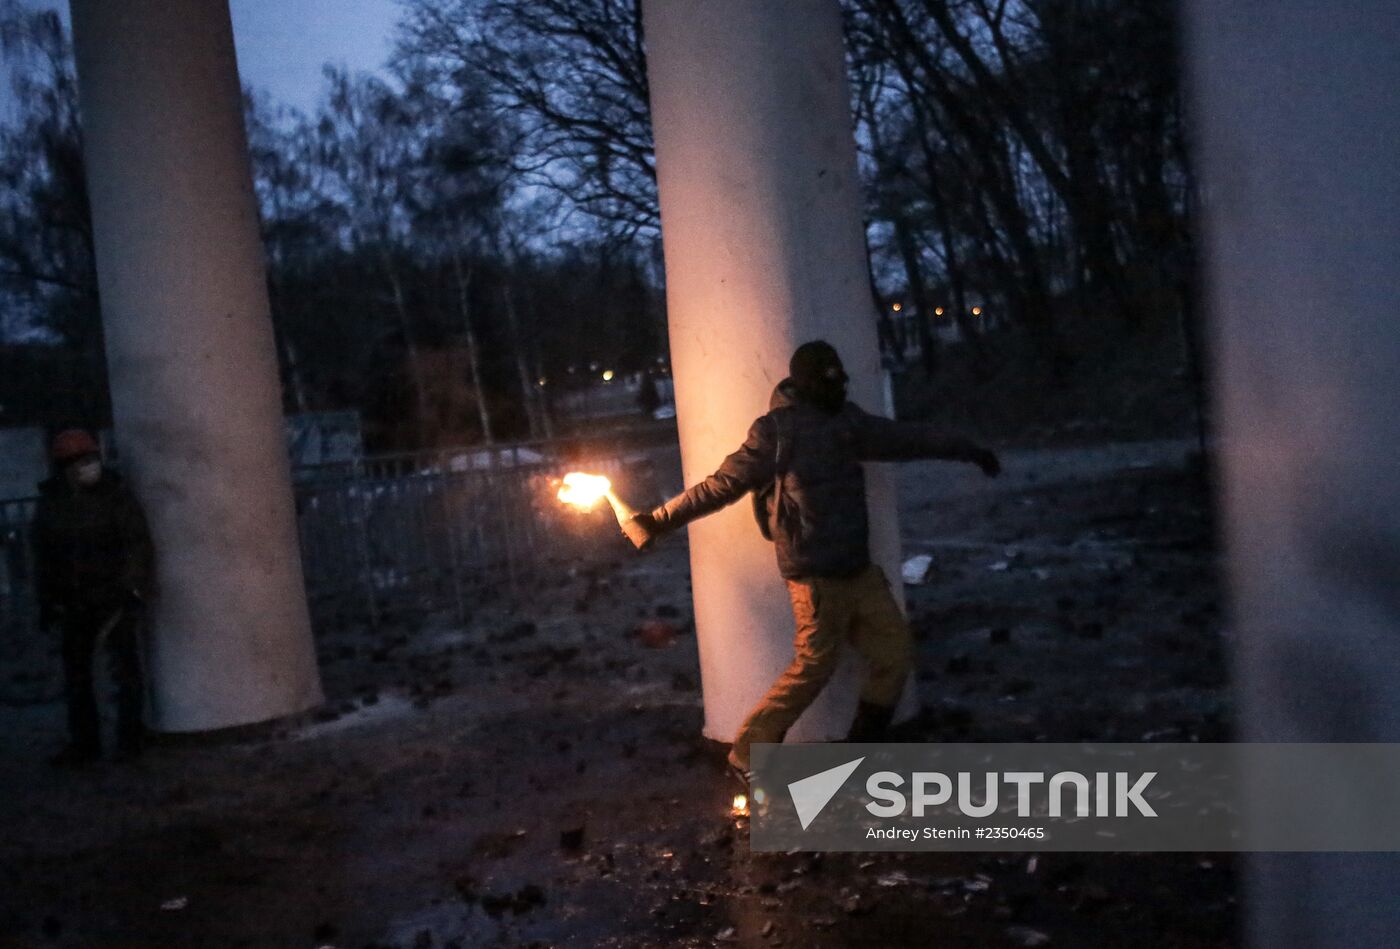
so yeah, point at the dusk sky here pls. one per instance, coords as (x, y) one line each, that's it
(282, 44)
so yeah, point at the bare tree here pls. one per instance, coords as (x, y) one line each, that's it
(570, 75)
(46, 253)
(370, 146)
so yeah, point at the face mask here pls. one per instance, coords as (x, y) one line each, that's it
(88, 473)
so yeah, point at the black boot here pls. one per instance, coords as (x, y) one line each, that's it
(130, 744)
(131, 730)
(870, 722)
(76, 756)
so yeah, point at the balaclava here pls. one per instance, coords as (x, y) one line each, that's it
(818, 376)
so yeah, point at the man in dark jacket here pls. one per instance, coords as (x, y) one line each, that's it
(95, 573)
(803, 461)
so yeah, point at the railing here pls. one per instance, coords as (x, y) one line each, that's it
(403, 534)
(17, 606)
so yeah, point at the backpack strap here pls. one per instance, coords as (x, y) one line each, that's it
(782, 455)
(768, 502)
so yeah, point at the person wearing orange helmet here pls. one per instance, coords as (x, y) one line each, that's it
(94, 571)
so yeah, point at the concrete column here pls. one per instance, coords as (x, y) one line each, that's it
(1300, 136)
(761, 223)
(190, 352)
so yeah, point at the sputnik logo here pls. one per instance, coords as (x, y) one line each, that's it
(812, 794)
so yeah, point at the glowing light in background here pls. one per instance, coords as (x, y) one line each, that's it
(607, 375)
(741, 806)
(584, 491)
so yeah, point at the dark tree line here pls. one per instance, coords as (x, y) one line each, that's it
(1029, 154)
(483, 216)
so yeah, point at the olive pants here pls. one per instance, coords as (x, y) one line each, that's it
(831, 611)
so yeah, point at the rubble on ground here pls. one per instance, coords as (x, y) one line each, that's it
(538, 776)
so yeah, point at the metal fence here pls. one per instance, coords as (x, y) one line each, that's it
(433, 531)
(17, 606)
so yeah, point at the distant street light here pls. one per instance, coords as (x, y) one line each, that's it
(938, 311)
(607, 375)
(897, 307)
(977, 311)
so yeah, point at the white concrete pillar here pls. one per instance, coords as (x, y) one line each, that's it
(761, 223)
(190, 352)
(1295, 103)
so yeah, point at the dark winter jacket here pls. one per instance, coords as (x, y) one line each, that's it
(818, 519)
(91, 545)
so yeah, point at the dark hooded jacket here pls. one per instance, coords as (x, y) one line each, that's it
(92, 546)
(813, 460)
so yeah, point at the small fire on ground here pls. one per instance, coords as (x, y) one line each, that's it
(740, 807)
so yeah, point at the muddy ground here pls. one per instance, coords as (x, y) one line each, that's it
(537, 777)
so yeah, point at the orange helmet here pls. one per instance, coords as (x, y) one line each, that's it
(71, 444)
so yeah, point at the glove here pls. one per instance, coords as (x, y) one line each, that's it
(642, 530)
(987, 461)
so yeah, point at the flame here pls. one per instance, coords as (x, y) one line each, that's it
(584, 491)
(741, 806)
